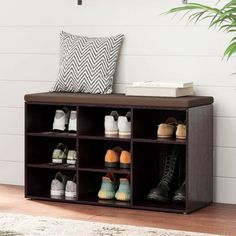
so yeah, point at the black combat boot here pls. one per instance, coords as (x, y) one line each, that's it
(161, 192)
(180, 194)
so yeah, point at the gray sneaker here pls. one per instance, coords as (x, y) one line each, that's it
(59, 154)
(58, 186)
(71, 187)
(71, 157)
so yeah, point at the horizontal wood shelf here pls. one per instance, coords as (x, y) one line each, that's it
(97, 136)
(52, 134)
(168, 207)
(104, 169)
(93, 200)
(46, 197)
(52, 166)
(160, 140)
(96, 201)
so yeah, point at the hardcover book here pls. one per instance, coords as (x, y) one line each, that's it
(159, 91)
(163, 84)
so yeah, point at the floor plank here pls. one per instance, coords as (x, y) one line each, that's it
(217, 218)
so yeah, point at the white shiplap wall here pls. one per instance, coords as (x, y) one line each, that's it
(155, 48)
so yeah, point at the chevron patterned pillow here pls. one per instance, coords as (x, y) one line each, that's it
(87, 65)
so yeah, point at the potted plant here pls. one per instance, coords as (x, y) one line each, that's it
(223, 18)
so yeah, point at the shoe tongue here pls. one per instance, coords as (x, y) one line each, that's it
(110, 176)
(128, 116)
(171, 120)
(61, 146)
(105, 178)
(59, 176)
(117, 149)
(115, 115)
(65, 110)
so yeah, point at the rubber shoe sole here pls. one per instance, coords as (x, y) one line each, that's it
(111, 164)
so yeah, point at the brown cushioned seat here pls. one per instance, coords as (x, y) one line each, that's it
(118, 99)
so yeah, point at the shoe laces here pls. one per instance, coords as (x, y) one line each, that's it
(169, 168)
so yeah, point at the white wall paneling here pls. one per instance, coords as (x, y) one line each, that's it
(225, 162)
(11, 121)
(92, 12)
(140, 40)
(224, 190)
(19, 89)
(204, 71)
(12, 172)
(28, 67)
(12, 148)
(156, 47)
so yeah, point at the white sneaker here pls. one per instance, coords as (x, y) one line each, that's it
(111, 124)
(58, 186)
(71, 193)
(73, 121)
(124, 125)
(60, 120)
(71, 157)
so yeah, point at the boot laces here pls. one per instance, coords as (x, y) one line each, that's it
(169, 169)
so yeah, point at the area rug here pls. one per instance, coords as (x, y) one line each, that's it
(23, 225)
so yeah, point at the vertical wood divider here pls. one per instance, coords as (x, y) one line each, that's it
(132, 157)
(77, 152)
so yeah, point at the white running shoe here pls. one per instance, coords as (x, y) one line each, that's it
(111, 124)
(71, 193)
(58, 186)
(124, 125)
(71, 157)
(60, 120)
(73, 121)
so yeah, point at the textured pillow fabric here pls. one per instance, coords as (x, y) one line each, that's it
(87, 65)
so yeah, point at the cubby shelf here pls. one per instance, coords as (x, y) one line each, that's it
(167, 207)
(102, 137)
(104, 169)
(159, 140)
(52, 166)
(46, 197)
(148, 153)
(52, 134)
(95, 201)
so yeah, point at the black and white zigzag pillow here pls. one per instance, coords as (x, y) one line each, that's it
(87, 65)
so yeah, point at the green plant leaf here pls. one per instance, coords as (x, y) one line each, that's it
(223, 18)
(230, 50)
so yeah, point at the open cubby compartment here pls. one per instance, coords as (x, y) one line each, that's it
(40, 181)
(40, 117)
(89, 186)
(146, 121)
(92, 154)
(152, 157)
(40, 149)
(91, 119)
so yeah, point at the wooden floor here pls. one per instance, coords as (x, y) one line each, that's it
(217, 218)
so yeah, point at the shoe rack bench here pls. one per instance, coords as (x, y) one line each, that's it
(194, 166)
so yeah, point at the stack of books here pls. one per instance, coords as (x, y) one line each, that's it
(160, 89)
